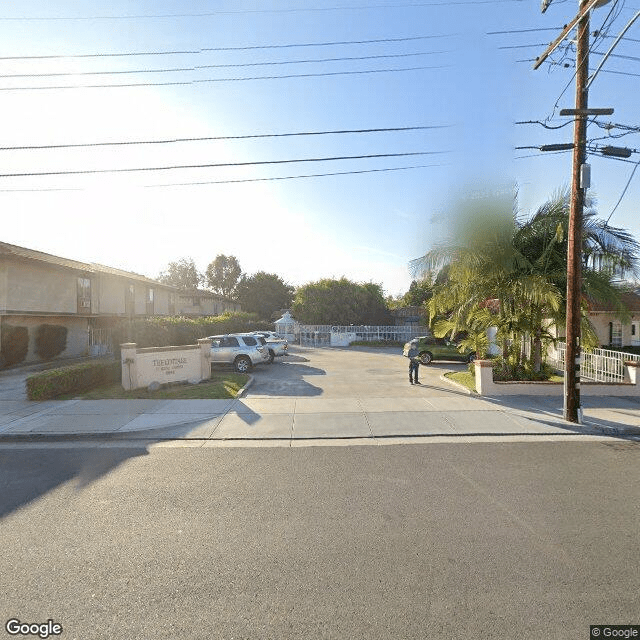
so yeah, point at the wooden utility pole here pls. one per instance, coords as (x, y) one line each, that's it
(572, 410)
(574, 236)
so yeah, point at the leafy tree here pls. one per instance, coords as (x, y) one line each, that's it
(182, 273)
(222, 275)
(263, 294)
(420, 291)
(341, 302)
(520, 263)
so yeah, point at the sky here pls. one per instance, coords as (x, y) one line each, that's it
(452, 79)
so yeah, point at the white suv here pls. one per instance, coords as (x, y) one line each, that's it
(242, 350)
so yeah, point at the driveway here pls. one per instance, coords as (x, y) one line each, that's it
(363, 372)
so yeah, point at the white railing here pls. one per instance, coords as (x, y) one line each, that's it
(320, 335)
(600, 365)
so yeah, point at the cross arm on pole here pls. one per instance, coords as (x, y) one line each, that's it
(565, 32)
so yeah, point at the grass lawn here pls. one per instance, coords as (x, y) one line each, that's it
(222, 385)
(464, 378)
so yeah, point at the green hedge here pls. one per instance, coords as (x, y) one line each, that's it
(14, 346)
(164, 331)
(51, 340)
(72, 379)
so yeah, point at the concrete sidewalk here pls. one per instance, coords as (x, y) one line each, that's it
(295, 419)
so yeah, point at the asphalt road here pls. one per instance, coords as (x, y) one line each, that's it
(502, 540)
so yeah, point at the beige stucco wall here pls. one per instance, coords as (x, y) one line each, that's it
(77, 334)
(600, 322)
(3, 285)
(207, 307)
(40, 288)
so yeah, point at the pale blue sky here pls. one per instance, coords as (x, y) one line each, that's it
(364, 226)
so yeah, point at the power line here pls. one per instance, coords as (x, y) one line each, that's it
(205, 14)
(308, 175)
(238, 48)
(494, 33)
(219, 164)
(209, 138)
(211, 80)
(624, 191)
(223, 66)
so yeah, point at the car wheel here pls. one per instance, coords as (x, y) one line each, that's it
(425, 357)
(272, 356)
(242, 364)
(471, 357)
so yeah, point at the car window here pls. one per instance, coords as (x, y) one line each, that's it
(249, 341)
(229, 342)
(261, 340)
(215, 343)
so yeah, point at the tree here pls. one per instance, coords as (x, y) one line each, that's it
(264, 293)
(520, 263)
(341, 302)
(222, 275)
(182, 274)
(420, 291)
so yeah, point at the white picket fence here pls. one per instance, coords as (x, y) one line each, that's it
(600, 365)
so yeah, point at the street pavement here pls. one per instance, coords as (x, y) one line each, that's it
(354, 395)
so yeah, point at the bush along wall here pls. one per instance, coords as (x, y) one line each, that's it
(14, 346)
(72, 379)
(51, 340)
(165, 331)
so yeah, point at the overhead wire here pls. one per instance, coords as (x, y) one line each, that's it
(224, 66)
(289, 45)
(218, 164)
(250, 136)
(308, 175)
(204, 14)
(217, 80)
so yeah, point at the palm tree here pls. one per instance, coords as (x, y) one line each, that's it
(522, 262)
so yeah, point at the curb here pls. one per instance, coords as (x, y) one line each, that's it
(453, 383)
(246, 386)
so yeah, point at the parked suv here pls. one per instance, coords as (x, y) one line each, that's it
(430, 348)
(242, 350)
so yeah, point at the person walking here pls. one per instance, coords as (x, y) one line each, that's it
(414, 363)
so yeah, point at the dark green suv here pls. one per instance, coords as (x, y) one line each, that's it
(430, 348)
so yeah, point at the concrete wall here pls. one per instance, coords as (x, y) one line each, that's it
(77, 334)
(141, 367)
(40, 288)
(485, 386)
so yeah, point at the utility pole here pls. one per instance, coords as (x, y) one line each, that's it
(572, 411)
(579, 184)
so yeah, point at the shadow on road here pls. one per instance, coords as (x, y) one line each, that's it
(42, 470)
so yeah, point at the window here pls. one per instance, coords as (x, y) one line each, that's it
(229, 342)
(633, 329)
(615, 334)
(249, 341)
(84, 295)
(129, 300)
(150, 295)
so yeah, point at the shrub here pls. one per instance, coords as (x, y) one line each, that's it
(163, 331)
(51, 340)
(72, 379)
(505, 370)
(14, 346)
